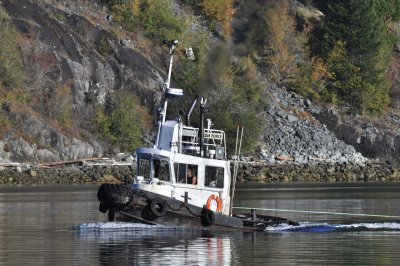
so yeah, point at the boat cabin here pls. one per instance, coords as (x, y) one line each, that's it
(175, 166)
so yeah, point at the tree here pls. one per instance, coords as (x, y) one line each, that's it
(123, 120)
(221, 11)
(389, 9)
(237, 101)
(358, 26)
(285, 50)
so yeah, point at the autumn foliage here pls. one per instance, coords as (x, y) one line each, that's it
(221, 11)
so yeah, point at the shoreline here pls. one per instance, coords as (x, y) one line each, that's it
(324, 172)
(247, 173)
(66, 175)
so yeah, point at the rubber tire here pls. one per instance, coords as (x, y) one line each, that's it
(208, 217)
(158, 207)
(103, 207)
(112, 194)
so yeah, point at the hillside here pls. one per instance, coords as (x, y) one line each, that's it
(74, 62)
(81, 85)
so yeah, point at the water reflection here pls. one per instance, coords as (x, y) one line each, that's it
(150, 245)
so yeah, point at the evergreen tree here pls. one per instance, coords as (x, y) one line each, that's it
(360, 26)
(390, 9)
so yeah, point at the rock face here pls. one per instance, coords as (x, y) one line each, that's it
(292, 133)
(80, 52)
(365, 137)
(60, 147)
(304, 133)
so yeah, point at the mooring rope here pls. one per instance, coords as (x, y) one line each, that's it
(321, 212)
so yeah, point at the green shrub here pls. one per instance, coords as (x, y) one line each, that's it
(103, 46)
(237, 101)
(123, 120)
(155, 17)
(62, 110)
(11, 72)
(248, 83)
(219, 12)
(228, 115)
(60, 16)
(187, 73)
(13, 96)
(4, 125)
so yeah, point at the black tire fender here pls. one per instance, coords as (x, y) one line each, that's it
(158, 207)
(207, 217)
(103, 207)
(111, 194)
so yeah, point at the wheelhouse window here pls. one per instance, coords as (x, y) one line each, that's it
(214, 177)
(144, 167)
(161, 169)
(186, 173)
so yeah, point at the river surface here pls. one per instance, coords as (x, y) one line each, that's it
(341, 224)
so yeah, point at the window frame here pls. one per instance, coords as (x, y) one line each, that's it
(180, 170)
(218, 176)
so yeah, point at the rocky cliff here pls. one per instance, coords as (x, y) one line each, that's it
(65, 41)
(69, 43)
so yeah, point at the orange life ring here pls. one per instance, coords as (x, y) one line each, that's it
(214, 198)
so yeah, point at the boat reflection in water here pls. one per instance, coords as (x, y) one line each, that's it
(153, 245)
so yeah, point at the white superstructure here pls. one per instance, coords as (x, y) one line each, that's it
(163, 168)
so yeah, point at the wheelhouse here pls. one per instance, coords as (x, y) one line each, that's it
(164, 168)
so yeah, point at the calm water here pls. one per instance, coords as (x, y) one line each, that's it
(61, 225)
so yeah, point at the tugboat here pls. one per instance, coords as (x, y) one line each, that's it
(184, 179)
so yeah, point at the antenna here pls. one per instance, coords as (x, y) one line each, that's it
(168, 92)
(172, 47)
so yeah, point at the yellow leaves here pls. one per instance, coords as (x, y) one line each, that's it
(279, 22)
(285, 46)
(222, 11)
(320, 75)
(338, 52)
(135, 7)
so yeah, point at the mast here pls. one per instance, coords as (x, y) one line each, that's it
(171, 45)
(168, 92)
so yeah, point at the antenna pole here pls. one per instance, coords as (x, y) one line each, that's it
(171, 46)
(163, 112)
